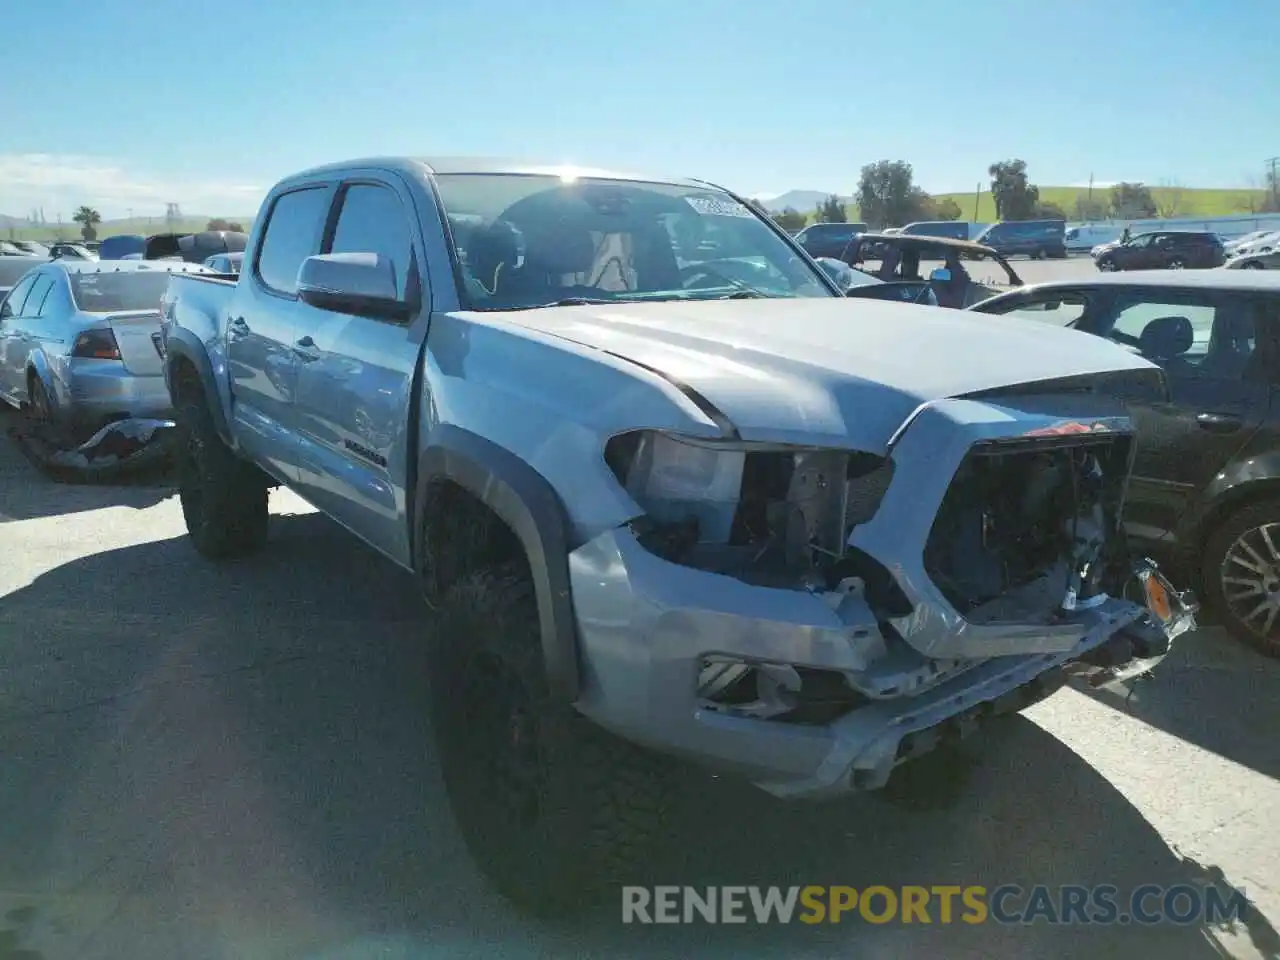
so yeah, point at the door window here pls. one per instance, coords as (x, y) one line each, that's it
(1060, 310)
(373, 220)
(17, 297)
(292, 235)
(1176, 331)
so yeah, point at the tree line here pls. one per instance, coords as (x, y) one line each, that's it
(889, 197)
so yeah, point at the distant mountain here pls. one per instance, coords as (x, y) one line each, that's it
(806, 201)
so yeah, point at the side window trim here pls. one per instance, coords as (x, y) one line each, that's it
(30, 282)
(31, 309)
(255, 273)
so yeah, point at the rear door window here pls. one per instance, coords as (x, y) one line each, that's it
(36, 298)
(292, 234)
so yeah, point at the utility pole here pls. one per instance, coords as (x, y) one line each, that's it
(1275, 187)
(977, 199)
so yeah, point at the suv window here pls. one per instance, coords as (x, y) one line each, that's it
(293, 231)
(17, 296)
(372, 220)
(1219, 342)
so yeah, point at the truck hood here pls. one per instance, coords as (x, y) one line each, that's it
(829, 371)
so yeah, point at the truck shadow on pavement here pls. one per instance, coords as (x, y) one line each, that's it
(1236, 711)
(203, 760)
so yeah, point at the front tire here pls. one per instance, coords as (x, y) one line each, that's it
(1251, 265)
(554, 810)
(224, 498)
(1107, 265)
(1242, 575)
(1177, 263)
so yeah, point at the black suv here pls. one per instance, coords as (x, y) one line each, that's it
(1205, 493)
(1036, 239)
(828, 239)
(1164, 250)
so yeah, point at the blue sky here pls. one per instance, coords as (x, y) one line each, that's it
(207, 104)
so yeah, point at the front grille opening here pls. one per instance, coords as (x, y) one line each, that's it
(1023, 514)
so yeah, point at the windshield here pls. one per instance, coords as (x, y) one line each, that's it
(528, 240)
(109, 292)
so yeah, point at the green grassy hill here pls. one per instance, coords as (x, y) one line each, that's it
(1191, 202)
(112, 228)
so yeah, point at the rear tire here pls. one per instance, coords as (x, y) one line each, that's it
(1231, 554)
(554, 810)
(39, 407)
(1177, 263)
(224, 498)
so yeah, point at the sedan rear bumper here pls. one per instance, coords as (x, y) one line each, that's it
(95, 391)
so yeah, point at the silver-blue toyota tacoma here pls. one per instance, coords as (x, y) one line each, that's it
(668, 494)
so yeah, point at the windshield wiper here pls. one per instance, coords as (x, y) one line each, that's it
(744, 294)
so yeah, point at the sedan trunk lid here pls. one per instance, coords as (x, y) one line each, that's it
(136, 336)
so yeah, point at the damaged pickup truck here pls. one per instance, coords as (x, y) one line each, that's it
(666, 491)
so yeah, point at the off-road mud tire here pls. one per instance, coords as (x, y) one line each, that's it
(224, 498)
(554, 810)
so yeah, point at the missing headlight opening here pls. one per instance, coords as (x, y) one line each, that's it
(1026, 527)
(769, 516)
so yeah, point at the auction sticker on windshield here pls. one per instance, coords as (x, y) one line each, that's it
(719, 207)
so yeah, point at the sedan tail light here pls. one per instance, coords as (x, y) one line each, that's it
(96, 345)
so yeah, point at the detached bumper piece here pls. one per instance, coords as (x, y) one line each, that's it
(1137, 648)
(131, 450)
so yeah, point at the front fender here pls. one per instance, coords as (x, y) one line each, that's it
(183, 346)
(1241, 481)
(529, 505)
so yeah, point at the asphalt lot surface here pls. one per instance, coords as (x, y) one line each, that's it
(201, 761)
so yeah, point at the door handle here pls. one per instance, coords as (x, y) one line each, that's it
(1219, 422)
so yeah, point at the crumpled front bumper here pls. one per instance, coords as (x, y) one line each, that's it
(646, 627)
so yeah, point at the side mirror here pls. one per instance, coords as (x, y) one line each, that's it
(940, 275)
(363, 284)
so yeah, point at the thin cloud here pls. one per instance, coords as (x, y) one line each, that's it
(59, 183)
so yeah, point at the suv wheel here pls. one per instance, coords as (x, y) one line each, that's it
(1107, 265)
(224, 498)
(1251, 265)
(553, 809)
(1177, 263)
(1242, 575)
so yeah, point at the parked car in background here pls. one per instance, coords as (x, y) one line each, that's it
(1263, 244)
(225, 262)
(1164, 250)
(10, 249)
(193, 247)
(899, 258)
(1088, 236)
(120, 246)
(71, 251)
(31, 247)
(14, 268)
(1036, 239)
(1255, 261)
(1232, 247)
(828, 239)
(78, 341)
(952, 229)
(664, 499)
(1205, 493)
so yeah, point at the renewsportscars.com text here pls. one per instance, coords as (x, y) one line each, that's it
(1005, 904)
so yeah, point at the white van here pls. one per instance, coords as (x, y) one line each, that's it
(1086, 236)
